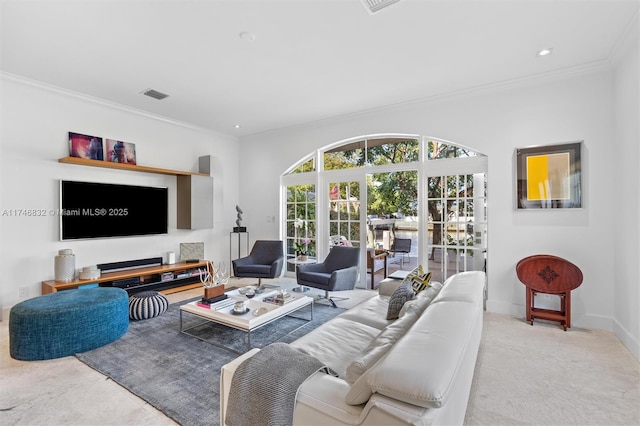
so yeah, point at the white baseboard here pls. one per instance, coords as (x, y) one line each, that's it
(585, 321)
(627, 339)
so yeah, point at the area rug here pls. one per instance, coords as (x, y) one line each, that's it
(179, 374)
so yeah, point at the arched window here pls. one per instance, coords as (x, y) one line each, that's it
(421, 200)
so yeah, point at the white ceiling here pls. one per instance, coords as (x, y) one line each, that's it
(310, 59)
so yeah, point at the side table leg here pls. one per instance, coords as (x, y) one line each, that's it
(529, 302)
(568, 309)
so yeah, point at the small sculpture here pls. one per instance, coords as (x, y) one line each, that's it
(206, 278)
(239, 216)
(213, 284)
(239, 227)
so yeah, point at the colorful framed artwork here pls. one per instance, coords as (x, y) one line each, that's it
(121, 152)
(85, 146)
(549, 177)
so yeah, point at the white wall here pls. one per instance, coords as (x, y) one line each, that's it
(494, 122)
(627, 236)
(35, 125)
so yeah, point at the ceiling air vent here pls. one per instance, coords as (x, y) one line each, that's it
(155, 94)
(374, 6)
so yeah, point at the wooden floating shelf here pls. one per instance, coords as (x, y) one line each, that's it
(122, 166)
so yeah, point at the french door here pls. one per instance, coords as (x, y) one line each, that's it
(456, 232)
(344, 212)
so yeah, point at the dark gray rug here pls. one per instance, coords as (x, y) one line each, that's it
(179, 374)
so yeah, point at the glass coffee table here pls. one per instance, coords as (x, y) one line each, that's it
(259, 314)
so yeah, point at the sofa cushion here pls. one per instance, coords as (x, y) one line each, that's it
(430, 386)
(463, 289)
(402, 294)
(422, 300)
(360, 391)
(337, 342)
(379, 346)
(372, 312)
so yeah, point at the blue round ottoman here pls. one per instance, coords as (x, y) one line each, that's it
(67, 322)
(147, 304)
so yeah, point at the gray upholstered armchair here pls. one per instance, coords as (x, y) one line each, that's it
(339, 271)
(265, 261)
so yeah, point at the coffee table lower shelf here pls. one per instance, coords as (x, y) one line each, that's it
(243, 324)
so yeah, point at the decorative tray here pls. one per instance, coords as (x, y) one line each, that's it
(234, 312)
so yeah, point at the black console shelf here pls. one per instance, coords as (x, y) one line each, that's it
(156, 285)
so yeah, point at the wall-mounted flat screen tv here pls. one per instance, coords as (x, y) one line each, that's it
(101, 210)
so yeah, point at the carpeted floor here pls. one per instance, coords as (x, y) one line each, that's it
(179, 374)
(525, 375)
(542, 375)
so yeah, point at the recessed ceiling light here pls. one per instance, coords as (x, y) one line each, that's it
(247, 36)
(545, 52)
(237, 126)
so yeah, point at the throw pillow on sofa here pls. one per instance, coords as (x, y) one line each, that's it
(403, 293)
(422, 300)
(419, 280)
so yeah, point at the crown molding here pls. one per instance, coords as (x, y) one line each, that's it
(109, 104)
(628, 39)
(521, 82)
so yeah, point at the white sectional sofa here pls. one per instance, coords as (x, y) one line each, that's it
(417, 369)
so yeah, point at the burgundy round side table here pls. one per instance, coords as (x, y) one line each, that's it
(544, 273)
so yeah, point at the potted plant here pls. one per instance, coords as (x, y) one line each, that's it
(302, 249)
(302, 246)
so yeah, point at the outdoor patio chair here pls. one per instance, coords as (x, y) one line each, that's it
(402, 246)
(376, 261)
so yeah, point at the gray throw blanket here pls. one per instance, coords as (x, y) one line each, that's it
(264, 387)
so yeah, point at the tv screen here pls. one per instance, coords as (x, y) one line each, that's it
(101, 210)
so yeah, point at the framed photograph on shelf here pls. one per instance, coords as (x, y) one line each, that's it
(85, 146)
(549, 177)
(121, 152)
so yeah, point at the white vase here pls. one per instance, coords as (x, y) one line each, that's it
(65, 265)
